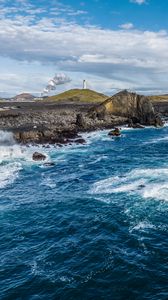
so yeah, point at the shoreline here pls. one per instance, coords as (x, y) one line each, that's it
(52, 123)
(47, 123)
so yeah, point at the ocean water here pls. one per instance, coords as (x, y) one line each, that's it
(94, 226)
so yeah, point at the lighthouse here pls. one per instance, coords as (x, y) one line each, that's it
(84, 84)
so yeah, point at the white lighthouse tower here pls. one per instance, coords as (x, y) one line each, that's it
(84, 84)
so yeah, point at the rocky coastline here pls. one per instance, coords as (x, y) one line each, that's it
(62, 123)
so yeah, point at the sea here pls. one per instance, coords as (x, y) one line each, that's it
(93, 226)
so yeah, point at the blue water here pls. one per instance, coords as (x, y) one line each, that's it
(94, 226)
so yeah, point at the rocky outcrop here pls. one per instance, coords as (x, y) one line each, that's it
(161, 108)
(45, 136)
(116, 132)
(134, 125)
(38, 156)
(136, 108)
(80, 121)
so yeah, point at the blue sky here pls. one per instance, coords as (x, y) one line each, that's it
(113, 44)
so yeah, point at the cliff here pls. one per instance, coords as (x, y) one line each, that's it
(137, 108)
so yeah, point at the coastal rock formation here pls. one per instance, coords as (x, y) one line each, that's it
(44, 136)
(38, 156)
(80, 121)
(136, 108)
(80, 141)
(134, 125)
(59, 123)
(115, 132)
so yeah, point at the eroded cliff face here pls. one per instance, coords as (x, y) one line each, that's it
(136, 108)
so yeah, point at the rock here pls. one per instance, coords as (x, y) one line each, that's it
(38, 156)
(80, 141)
(158, 121)
(115, 132)
(80, 122)
(135, 125)
(136, 107)
(49, 164)
(28, 136)
(101, 115)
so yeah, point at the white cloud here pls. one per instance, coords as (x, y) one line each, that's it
(127, 26)
(119, 58)
(138, 1)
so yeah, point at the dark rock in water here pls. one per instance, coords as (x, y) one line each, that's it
(141, 186)
(38, 156)
(158, 121)
(80, 121)
(80, 141)
(137, 125)
(115, 132)
(131, 124)
(49, 164)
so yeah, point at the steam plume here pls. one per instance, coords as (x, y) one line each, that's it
(58, 79)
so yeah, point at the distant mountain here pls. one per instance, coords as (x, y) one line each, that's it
(79, 95)
(23, 97)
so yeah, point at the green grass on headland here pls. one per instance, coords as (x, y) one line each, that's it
(79, 95)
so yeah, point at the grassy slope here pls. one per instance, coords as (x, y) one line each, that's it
(159, 98)
(78, 95)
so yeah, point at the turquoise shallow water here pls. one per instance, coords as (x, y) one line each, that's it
(94, 226)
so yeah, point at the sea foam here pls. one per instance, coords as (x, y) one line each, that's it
(12, 158)
(9, 173)
(148, 183)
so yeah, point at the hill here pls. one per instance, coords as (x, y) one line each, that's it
(79, 95)
(24, 97)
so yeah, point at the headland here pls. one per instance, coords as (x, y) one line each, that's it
(61, 122)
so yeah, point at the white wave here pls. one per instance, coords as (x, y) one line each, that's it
(157, 140)
(13, 158)
(98, 135)
(166, 124)
(9, 173)
(148, 183)
(6, 138)
(126, 128)
(143, 225)
(98, 159)
(158, 191)
(48, 181)
(9, 150)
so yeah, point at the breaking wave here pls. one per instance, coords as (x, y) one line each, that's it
(148, 183)
(13, 157)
